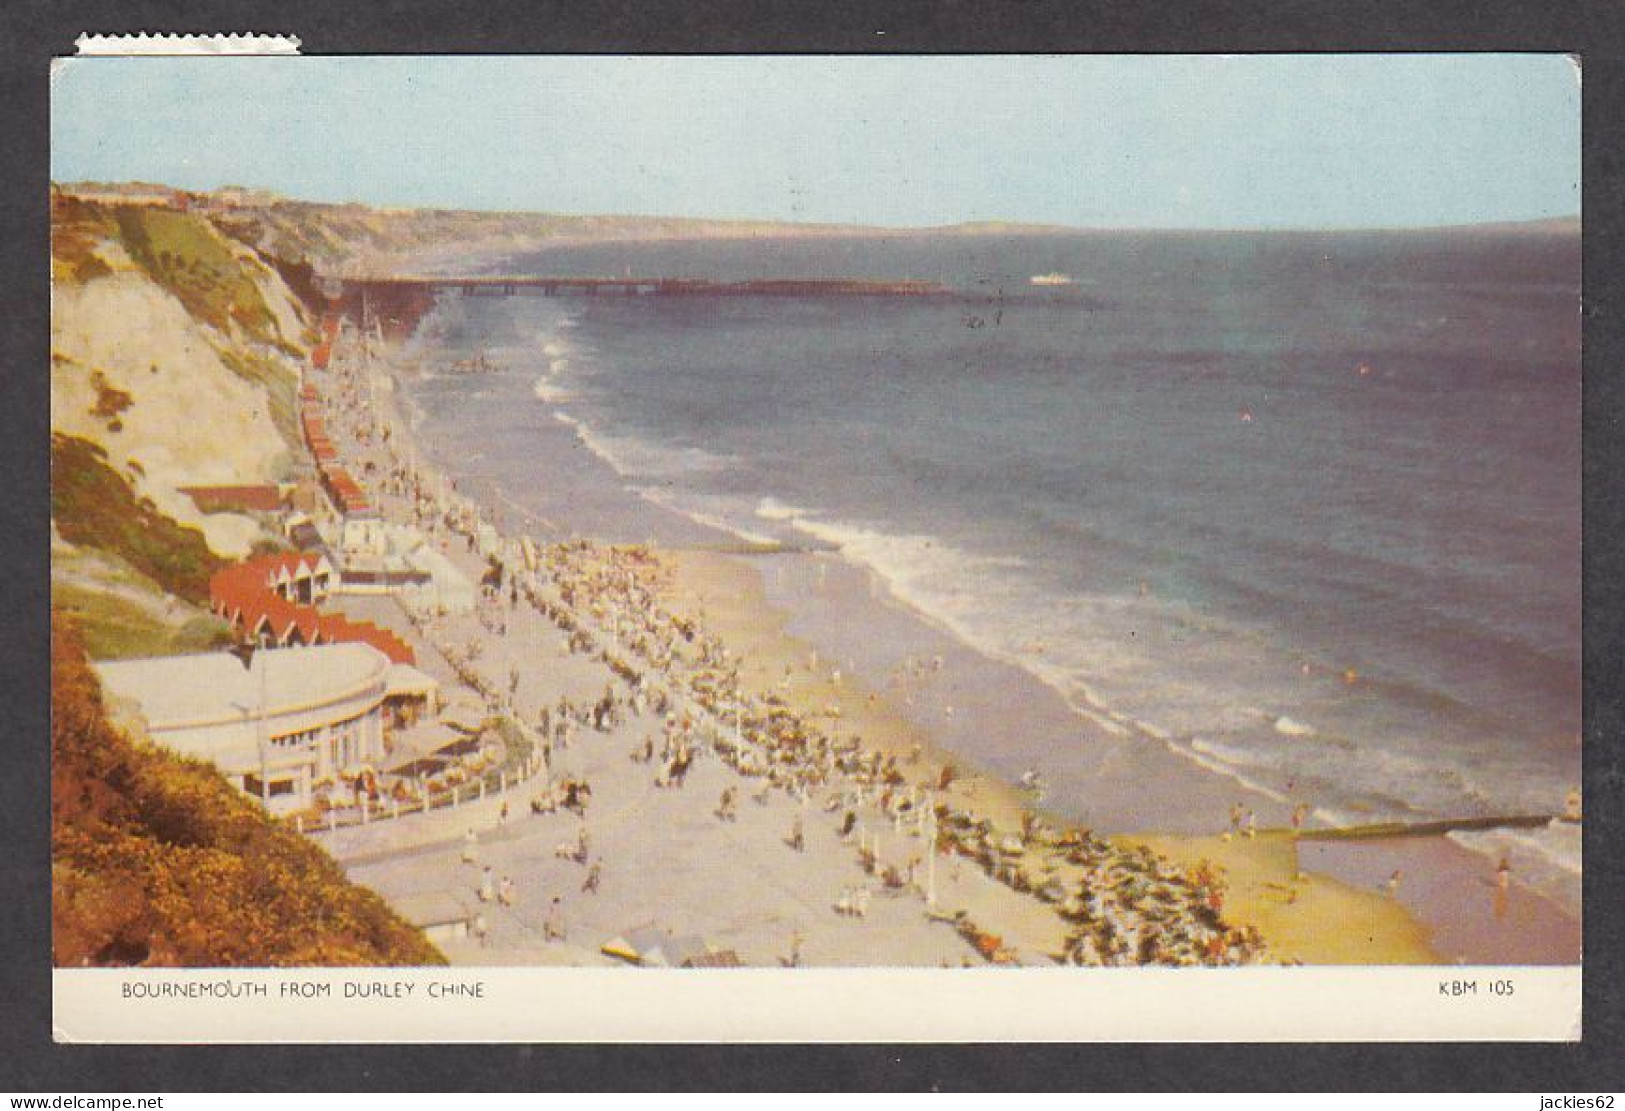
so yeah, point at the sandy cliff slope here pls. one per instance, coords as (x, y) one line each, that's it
(175, 398)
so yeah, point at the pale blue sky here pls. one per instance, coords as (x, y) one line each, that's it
(1285, 141)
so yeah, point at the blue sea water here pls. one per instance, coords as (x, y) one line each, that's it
(1303, 507)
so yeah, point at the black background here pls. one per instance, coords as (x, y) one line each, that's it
(32, 31)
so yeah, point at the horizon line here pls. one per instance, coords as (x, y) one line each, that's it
(1026, 226)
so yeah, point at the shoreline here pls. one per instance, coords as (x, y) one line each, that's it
(1251, 867)
(1153, 795)
(770, 634)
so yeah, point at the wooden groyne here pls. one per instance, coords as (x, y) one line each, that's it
(1378, 830)
(754, 548)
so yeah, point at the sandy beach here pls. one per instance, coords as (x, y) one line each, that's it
(809, 635)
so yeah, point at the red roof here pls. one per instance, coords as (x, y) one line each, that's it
(345, 490)
(385, 641)
(292, 562)
(218, 499)
(242, 594)
(324, 350)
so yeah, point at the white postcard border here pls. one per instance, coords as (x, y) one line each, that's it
(185, 1006)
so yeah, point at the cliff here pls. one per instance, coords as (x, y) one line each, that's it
(175, 354)
(175, 350)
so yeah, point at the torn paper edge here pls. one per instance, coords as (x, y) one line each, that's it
(220, 45)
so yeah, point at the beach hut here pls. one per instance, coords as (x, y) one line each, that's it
(650, 947)
(421, 750)
(464, 716)
(442, 915)
(715, 958)
(409, 695)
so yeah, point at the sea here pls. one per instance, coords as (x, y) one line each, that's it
(1301, 508)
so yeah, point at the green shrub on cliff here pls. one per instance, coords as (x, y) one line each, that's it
(280, 386)
(116, 626)
(157, 860)
(182, 252)
(77, 227)
(93, 505)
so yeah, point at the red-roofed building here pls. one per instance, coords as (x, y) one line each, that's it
(385, 641)
(236, 499)
(323, 353)
(267, 598)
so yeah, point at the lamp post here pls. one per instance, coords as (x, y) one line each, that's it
(245, 653)
(263, 741)
(245, 710)
(930, 850)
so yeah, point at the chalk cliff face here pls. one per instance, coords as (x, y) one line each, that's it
(176, 350)
(189, 420)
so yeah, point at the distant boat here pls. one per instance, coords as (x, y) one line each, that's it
(1051, 279)
(479, 364)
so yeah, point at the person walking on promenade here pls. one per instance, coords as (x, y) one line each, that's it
(480, 929)
(798, 836)
(505, 892)
(594, 874)
(487, 886)
(553, 925)
(471, 846)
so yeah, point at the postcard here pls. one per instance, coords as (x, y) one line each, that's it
(816, 548)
